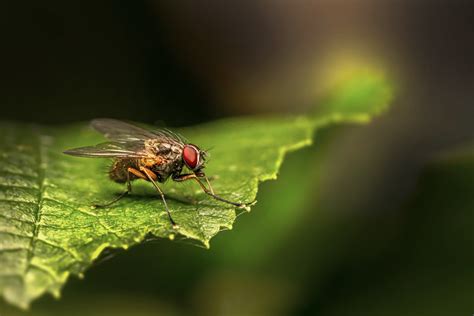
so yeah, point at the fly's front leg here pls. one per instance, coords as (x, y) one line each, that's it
(192, 176)
(210, 191)
(151, 176)
(184, 177)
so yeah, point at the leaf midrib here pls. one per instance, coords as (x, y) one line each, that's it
(39, 207)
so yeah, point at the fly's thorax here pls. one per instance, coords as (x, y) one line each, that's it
(164, 158)
(166, 168)
(151, 162)
(169, 149)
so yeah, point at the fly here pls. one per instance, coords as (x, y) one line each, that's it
(150, 155)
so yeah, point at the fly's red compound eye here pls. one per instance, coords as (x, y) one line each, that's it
(191, 156)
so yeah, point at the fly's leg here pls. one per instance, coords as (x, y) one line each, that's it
(151, 176)
(123, 194)
(183, 200)
(210, 191)
(118, 198)
(209, 185)
(136, 173)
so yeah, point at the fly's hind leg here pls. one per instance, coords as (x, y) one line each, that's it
(125, 193)
(152, 178)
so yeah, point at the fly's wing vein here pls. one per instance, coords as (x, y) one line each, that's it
(119, 131)
(127, 140)
(122, 132)
(109, 150)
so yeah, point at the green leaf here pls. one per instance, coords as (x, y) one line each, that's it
(49, 230)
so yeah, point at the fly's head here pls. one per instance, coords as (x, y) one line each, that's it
(194, 158)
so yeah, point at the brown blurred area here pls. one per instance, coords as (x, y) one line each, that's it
(264, 56)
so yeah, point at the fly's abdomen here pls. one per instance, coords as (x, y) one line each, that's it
(119, 170)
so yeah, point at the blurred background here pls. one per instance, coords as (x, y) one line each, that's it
(378, 222)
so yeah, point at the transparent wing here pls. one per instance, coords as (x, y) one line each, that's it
(110, 150)
(122, 132)
(170, 135)
(127, 140)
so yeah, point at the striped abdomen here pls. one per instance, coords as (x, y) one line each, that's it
(119, 170)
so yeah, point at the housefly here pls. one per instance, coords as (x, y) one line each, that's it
(151, 155)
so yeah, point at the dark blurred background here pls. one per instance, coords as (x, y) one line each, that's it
(372, 226)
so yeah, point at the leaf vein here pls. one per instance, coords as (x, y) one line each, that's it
(23, 221)
(49, 243)
(15, 186)
(18, 201)
(13, 249)
(41, 179)
(4, 232)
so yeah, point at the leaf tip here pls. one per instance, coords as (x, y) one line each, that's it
(56, 294)
(356, 93)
